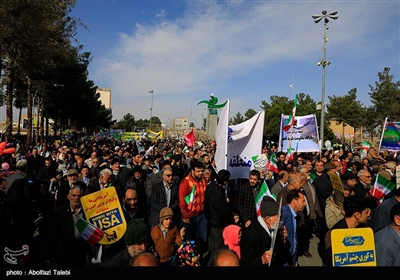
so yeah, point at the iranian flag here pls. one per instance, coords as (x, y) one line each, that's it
(290, 121)
(272, 163)
(365, 145)
(89, 232)
(190, 198)
(264, 190)
(290, 152)
(382, 187)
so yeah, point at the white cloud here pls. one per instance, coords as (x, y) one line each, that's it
(214, 44)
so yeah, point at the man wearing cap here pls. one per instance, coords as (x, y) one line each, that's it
(120, 176)
(66, 185)
(137, 181)
(390, 174)
(349, 180)
(136, 239)
(167, 237)
(375, 166)
(256, 241)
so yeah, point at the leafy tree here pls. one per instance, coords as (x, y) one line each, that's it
(32, 33)
(127, 123)
(238, 118)
(249, 114)
(142, 124)
(385, 96)
(371, 123)
(346, 109)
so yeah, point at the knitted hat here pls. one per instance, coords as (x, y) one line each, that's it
(269, 207)
(166, 212)
(136, 232)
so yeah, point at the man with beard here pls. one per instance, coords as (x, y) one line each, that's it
(137, 181)
(132, 211)
(247, 197)
(136, 238)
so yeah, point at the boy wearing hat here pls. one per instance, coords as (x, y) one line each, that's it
(256, 241)
(166, 237)
(136, 241)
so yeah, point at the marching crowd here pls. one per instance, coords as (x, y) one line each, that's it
(180, 210)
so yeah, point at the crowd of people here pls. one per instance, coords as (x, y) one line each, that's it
(180, 210)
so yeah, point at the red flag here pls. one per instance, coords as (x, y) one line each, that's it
(189, 138)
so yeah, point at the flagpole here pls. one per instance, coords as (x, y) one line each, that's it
(290, 141)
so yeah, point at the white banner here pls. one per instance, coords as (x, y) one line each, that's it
(242, 142)
(221, 136)
(303, 137)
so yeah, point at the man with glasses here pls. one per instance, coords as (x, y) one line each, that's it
(95, 169)
(363, 185)
(164, 194)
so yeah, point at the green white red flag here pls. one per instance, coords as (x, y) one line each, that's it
(272, 166)
(382, 187)
(290, 121)
(190, 198)
(264, 190)
(89, 232)
(365, 145)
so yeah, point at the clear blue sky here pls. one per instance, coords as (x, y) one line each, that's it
(245, 51)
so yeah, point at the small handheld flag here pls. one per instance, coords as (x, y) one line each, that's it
(190, 198)
(89, 232)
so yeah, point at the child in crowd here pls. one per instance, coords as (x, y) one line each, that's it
(167, 238)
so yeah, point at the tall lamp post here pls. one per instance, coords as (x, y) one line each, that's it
(151, 108)
(324, 63)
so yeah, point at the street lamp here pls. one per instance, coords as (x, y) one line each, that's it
(323, 63)
(151, 108)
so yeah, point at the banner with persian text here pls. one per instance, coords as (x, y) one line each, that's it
(302, 137)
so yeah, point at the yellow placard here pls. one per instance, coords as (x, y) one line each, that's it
(129, 136)
(103, 210)
(353, 247)
(338, 188)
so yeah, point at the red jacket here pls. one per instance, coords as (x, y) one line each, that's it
(185, 188)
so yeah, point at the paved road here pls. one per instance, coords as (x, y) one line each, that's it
(315, 260)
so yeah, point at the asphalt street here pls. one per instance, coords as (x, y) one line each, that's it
(315, 260)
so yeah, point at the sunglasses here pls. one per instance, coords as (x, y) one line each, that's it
(168, 175)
